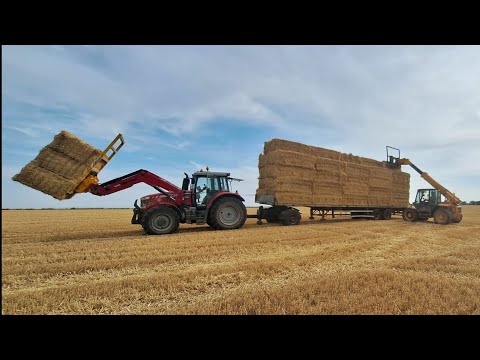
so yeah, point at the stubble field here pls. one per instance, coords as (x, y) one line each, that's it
(96, 262)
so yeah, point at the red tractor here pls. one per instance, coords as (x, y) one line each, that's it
(209, 200)
(206, 197)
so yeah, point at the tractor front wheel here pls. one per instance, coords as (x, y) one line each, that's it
(160, 221)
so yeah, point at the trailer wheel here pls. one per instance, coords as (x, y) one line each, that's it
(272, 215)
(227, 213)
(386, 214)
(442, 216)
(290, 217)
(410, 214)
(160, 221)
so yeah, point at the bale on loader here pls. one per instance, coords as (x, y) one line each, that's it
(60, 166)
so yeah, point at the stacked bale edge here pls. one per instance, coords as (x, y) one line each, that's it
(303, 175)
(60, 166)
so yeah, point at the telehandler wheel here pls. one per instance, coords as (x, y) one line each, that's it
(410, 214)
(442, 216)
(227, 213)
(458, 220)
(160, 221)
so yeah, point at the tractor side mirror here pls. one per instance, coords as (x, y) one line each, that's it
(185, 183)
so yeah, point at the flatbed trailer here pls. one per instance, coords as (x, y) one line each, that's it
(288, 214)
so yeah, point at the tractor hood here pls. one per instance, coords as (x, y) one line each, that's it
(155, 197)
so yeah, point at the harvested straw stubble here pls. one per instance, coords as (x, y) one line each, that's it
(60, 166)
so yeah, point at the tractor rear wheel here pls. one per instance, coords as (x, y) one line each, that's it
(227, 213)
(410, 214)
(442, 216)
(160, 221)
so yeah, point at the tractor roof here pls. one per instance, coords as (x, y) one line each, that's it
(210, 173)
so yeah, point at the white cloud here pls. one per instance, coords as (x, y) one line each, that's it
(24, 131)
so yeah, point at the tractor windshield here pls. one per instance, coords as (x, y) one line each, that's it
(206, 186)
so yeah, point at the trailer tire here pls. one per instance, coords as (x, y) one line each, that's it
(290, 217)
(227, 213)
(272, 219)
(386, 214)
(442, 216)
(410, 214)
(161, 221)
(272, 214)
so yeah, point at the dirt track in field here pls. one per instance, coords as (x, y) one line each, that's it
(96, 262)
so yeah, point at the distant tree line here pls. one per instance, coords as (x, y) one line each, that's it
(470, 203)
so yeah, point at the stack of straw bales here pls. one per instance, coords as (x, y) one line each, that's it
(60, 166)
(302, 175)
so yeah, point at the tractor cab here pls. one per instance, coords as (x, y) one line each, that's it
(207, 184)
(426, 202)
(427, 198)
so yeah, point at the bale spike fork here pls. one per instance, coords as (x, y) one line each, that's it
(91, 178)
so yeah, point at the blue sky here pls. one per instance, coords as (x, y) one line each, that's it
(184, 107)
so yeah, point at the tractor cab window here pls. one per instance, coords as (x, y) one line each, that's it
(202, 188)
(223, 184)
(424, 196)
(208, 186)
(428, 197)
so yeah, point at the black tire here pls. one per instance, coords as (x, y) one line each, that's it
(161, 221)
(290, 217)
(386, 214)
(410, 214)
(227, 213)
(272, 219)
(272, 214)
(377, 214)
(442, 216)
